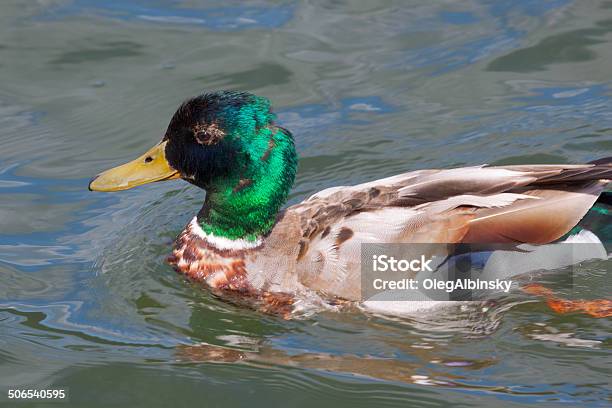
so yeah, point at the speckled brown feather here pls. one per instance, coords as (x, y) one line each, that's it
(313, 251)
(199, 261)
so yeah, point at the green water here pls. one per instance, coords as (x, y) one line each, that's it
(369, 90)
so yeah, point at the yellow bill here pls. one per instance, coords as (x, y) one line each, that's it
(151, 166)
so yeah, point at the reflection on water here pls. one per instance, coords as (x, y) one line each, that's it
(369, 90)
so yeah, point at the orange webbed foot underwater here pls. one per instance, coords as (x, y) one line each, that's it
(595, 308)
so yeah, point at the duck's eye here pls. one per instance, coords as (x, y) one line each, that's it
(148, 159)
(208, 134)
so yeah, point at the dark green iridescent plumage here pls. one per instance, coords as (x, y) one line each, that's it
(244, 204)
(247, 166)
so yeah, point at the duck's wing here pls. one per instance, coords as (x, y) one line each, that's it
(529, 203)
(532, 203)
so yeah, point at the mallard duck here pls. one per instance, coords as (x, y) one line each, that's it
(243, 246)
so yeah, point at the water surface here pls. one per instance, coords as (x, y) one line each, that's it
(369, 90)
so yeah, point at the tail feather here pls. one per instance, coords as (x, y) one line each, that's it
(601, 162)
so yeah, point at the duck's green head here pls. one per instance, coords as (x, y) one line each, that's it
(225, 142)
